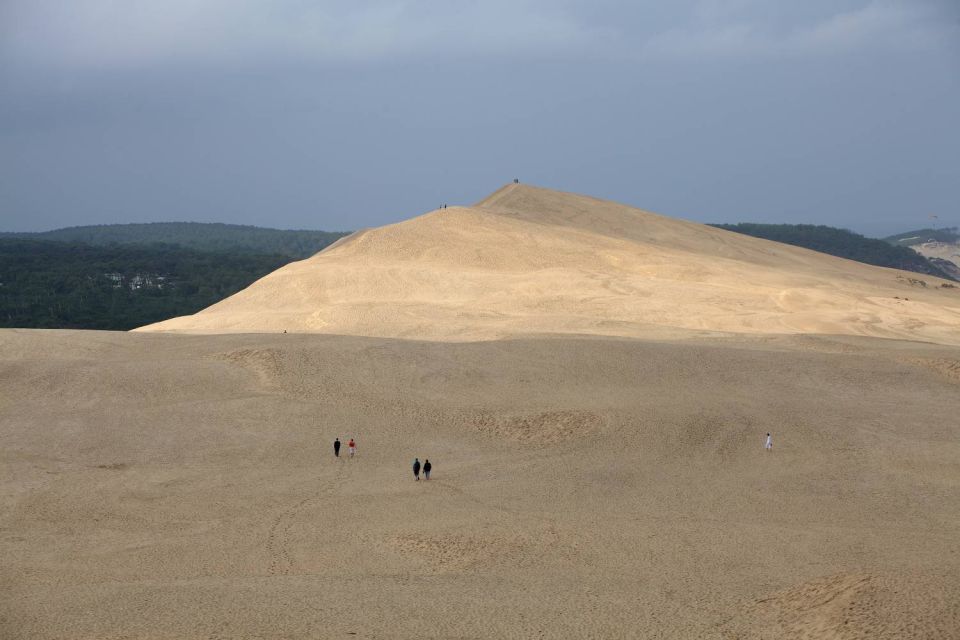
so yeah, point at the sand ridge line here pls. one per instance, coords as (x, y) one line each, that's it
(533, 261)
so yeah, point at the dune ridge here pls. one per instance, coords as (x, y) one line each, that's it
(527, 261)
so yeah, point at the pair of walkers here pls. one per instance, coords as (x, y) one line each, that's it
(417, 467)
(351, 447)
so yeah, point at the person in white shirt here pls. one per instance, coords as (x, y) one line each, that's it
(769, 445)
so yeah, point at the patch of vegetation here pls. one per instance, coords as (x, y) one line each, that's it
(841, 243)
(70, 285)
(196, 235)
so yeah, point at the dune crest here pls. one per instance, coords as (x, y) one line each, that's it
(527, 260)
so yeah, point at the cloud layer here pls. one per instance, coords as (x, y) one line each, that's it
(341, 114)
(139, 33)
(873, 25)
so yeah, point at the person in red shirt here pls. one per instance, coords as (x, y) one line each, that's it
(352, 447)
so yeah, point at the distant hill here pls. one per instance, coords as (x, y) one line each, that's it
(70, 285)
(940, 246)
(911, 238)
(196, 235)
(843, 244)
(528, 261)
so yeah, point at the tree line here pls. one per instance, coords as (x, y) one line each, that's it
(841, 243)
(72, 285)
(196, 235)
(948, 235)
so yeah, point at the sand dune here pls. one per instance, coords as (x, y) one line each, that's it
(944, 250)
(601, 485)
(533, 261)
(170, 486)
(946, 255)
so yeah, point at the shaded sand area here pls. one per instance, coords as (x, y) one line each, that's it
(171, 486)
(531, 261)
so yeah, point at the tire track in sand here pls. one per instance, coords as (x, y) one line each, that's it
(278, 538)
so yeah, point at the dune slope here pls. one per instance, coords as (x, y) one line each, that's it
(531, 261)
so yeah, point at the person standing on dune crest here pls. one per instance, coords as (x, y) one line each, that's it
(769, 444)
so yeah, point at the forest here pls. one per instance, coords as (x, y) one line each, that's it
(196, 235)
(841, 243)
(72, 285)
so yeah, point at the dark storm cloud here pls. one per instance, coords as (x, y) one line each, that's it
(346, 114)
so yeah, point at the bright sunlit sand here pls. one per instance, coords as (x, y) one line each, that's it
(532, 261)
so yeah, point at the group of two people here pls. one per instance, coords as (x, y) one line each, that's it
(351, 447)
(426, 469)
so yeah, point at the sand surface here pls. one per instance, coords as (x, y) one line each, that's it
(172, 486)
(949, 251)
(593, 384)
(531, 261)
(945, 250)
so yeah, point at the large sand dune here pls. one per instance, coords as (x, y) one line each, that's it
(533, 261)
(610, 485)
(169, 486)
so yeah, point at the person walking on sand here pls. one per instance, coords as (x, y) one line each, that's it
(336, 448)
(426, 469)
(769, 444)
(352, 447)
(416, 469)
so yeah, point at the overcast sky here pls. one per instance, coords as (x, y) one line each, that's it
(344, 114)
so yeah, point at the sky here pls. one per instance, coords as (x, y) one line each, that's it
(346, 114)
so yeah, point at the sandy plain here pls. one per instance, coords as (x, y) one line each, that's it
(160, 486)
(599, 478)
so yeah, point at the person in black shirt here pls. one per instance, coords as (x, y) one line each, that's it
(426, 469)
(336, 447)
